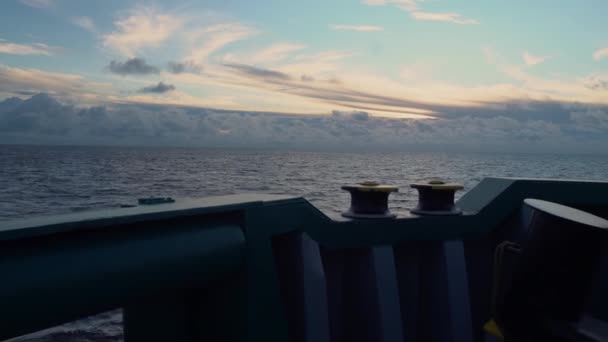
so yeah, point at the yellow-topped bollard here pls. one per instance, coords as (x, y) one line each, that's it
(436, 197)
(369, 183)
(369, 200)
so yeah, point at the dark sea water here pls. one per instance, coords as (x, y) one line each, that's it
(49, 180)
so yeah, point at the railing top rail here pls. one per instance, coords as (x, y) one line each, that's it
(484, 205)
(503, 194)
(45, 225)
(555, 180)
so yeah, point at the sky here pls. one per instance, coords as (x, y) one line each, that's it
(514, 75)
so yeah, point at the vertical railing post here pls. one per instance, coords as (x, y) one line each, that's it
(266, 314)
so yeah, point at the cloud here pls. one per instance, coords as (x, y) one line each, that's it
(324, 56)
(193, 34)
(558, 88)
(17, 81)
(85, 23)
(284, 88)
(159, 88)
(184, 67)
(600, 54)
(258, 72)
(413, 6)
(274, 53)
(356, 115)
(328, 85)
(24, 49)
(144, 27)
(335, 80)
(133, 66)
(530, 59)
(208, 40)
(406, 5)
(447, 17)
(26, 92)
(592, 120)
(42, 118)
(38, 3)
(360, 28)
(594, 83)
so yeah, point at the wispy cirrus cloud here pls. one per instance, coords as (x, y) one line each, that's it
(406, 5)
(196, 37)
(85, 23)
(319, 66)
(207, 40)
(415, 10)
(360, 90)
(600, 54)
(256, 72)
(360, 28)
(326, 56)
(24, 49)
(577, 89)
(38, 3)
(16, 81)
(274, 53)
(530, 59)
(454, 18)
(144, 27)
(286, 58)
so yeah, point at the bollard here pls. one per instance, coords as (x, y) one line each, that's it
(369, 200)
(436, 198)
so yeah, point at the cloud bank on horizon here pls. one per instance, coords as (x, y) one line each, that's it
(396, 61)
(41, 119)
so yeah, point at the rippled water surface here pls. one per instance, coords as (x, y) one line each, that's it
(45, 180)
(48, 180)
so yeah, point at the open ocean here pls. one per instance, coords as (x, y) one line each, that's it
(37, 180)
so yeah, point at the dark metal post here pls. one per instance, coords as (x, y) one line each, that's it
(552, 279)
(436, 198)
(369, 200)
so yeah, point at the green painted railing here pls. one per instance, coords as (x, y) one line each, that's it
(205, 269)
